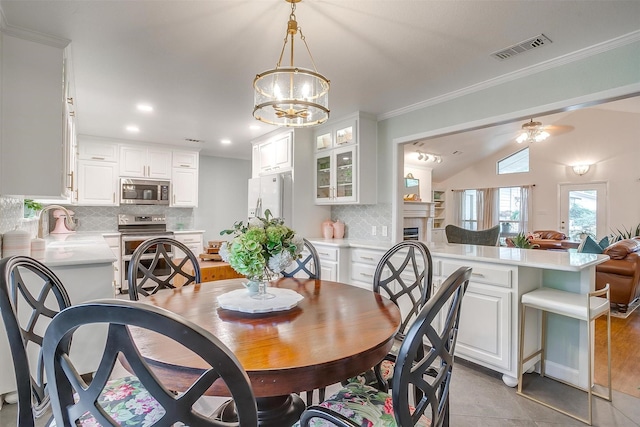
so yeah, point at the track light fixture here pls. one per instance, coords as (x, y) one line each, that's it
(428, 157)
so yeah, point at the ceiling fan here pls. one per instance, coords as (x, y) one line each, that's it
(534, 131)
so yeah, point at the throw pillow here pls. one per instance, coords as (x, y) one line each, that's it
(604, 242)
(590, 246)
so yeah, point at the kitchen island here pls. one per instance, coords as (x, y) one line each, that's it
(84, 264)
(490, 318)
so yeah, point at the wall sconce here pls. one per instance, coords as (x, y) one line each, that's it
(580, 169)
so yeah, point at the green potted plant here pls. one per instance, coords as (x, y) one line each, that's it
(625, 234)
(521, 241)
(31, 208)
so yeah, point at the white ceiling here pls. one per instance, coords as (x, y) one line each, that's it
(195, 61)
(460, 150)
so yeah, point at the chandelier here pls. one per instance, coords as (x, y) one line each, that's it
(291, 96)
(532, 132)
(428, 157)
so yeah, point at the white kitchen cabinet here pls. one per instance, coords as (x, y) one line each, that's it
(346, 162)
(487, 321)
(145, 162)
(70, 141)
(32, 107)
(97, 149)
(97, 183)
(363, 266)
(193, 240)
(184, 179)
(333, 262)
(273, 155)
(113, 240)
(185, 159)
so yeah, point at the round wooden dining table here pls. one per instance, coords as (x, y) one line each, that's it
(336, 331)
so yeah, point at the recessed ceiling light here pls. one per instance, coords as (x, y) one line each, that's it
(254, 127)
(144, 107)
(133, 128)
(225, 141)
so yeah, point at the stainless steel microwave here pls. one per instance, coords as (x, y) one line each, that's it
(144, 192)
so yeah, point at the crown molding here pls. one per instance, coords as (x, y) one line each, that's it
(525, 72)
(34, 36)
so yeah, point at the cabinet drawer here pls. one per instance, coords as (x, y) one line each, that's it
(366, 256)
(363, 273)
(327, 253)
(482, 273)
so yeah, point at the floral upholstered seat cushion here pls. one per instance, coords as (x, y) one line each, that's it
(366, 406)
(127, 402)
(369, 377)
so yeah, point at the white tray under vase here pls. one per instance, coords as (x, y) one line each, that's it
(243, 301)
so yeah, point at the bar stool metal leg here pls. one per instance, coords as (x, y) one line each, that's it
(591, 306)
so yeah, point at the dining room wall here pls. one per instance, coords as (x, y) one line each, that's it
(223, 194)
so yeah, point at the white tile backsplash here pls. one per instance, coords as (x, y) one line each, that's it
(105, 218)
(359, 219)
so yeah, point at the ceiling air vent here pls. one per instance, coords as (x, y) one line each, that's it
(193, 140)
(532, 43)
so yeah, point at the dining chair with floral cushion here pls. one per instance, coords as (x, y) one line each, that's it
(30, 296)
(404, 274)
(143, 281)
(72, 398)
(436, 325)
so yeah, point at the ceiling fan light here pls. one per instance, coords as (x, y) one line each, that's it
(522, 137)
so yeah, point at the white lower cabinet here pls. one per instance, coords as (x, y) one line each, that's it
(363, 266)
(193, 240)
(488, 321)
(485, 325)
(113, 240)
(333, 262)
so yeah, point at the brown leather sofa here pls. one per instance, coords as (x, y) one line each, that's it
(622, 272)
(549, 239)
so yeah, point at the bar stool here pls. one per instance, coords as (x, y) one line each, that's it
(585, 307)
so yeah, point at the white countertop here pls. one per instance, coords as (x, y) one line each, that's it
(76, 249)
(554, 260)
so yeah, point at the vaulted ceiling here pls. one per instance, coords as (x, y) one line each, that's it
(195, 61)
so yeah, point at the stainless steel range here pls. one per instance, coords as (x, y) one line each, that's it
(135, 229)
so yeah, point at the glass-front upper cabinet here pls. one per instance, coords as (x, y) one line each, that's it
(335, 172)
(344, 133)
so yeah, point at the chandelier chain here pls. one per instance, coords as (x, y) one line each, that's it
(304, 40)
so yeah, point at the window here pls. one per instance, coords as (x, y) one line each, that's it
(469, 210)
(509, 210)
(515, 163)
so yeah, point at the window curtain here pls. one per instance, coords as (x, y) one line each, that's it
(525, 207)
(457, 207)
(487, 200)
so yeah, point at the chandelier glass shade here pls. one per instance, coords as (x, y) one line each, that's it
(532, 132)
(288, 95)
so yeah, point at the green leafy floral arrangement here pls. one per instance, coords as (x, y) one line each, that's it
(261, 247)
(523, 242)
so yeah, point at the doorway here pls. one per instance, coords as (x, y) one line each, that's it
(583, 210)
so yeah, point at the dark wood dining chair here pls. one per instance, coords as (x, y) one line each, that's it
(404, 274)
(308, 266)
(30, 296)
(71, 397)
(488, 237)
(160, 252)
(424, 362)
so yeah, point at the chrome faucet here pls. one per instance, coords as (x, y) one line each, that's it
(43, 213)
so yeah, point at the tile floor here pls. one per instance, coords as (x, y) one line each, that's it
(480, 399)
